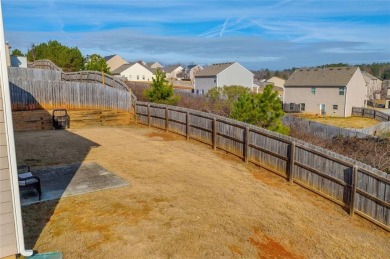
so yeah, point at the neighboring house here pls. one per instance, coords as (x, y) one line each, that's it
(115, 61)
(326, 91)
(11, 224)
(387, 105)
(134, 72)
(278, 84)
(277, 81)
(223, 74)
(17, 61)
(190, 71)
(373, 85)
(154, 65)
(171, 72)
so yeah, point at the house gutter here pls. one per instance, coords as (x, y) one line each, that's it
(345, 103)
(11, 144)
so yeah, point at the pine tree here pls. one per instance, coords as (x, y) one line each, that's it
(161, 90)
(264, 110)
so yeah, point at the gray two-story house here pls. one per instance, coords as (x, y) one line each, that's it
(223, 74)
(329, 91)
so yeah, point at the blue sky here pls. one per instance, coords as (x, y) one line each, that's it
(258, 34)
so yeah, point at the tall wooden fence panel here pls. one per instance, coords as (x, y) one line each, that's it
(360, 188)
(35, 94)
(370, 113)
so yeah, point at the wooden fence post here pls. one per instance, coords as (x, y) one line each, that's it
(246, 144)
(362, 112)
(375, 114)
(214, 133)
(149, 121)
(188, 125)
(166, 119)
(135, 110)
(291, 158)
(355, 170)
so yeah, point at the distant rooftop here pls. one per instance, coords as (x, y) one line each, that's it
(213, 69)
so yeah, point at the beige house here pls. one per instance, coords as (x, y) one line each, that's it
(387, 104)
(11, 226)
(154, 65)
(326, 91)
(191, 70)
(115, 61)
(373, 85)
(277, 81)
(134, 72)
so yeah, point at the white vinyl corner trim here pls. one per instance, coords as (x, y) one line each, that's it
(11, 143)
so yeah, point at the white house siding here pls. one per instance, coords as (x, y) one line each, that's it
(18, 61)
(8, 245)
(235, 75)
(356, 92)
(137, 72)
(324, 95)
(205, 83)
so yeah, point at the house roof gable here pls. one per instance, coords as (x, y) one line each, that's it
(107, 58)
(332, 76)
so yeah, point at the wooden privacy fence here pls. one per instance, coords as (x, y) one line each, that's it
(321, 130)
(83, 76)
(370, 113)
(36, 94)
(360, 188)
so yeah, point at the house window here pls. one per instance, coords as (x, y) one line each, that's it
(341, 90)
(215, 79)
(143, 77)
(313, 90)
(129, 76)
(302, 107)
(137, 77)
(335, 106)
(292, 106)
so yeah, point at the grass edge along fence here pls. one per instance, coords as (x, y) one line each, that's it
(361, 189)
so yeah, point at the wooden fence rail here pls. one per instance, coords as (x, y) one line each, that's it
(83, 76)
(370, 113)
(358, 187)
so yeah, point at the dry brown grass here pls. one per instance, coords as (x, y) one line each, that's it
(350, 122)
(185, 201)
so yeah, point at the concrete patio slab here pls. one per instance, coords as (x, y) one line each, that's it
(67, 180)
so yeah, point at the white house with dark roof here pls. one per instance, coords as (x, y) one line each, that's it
(134, 72)
(171, 72)
(115, 61)
(223, 74)
(326, 91)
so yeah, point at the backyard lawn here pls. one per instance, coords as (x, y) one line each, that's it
(184, 200)
(350, 122)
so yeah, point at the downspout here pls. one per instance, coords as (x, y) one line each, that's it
(11, 144)
(345, 102)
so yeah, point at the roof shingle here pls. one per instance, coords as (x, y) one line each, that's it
(213, 70)
(332, 76)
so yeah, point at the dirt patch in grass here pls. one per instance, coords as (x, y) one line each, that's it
(350, 122)
(186, 201)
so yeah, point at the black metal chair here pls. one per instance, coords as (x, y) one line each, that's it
(27, 181)
(60, 119)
